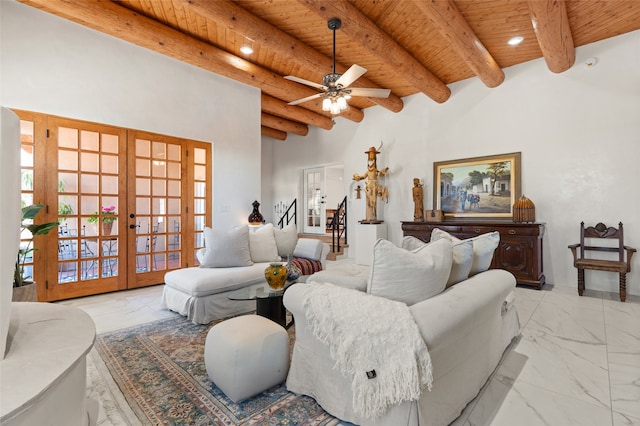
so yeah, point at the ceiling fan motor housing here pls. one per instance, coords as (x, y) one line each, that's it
(329, 80)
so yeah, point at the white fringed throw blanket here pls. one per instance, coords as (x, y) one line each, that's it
(367, 333)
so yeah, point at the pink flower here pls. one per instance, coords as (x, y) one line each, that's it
(110, 209)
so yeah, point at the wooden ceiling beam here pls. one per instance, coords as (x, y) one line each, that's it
(273, 133)
(283, 124)
(275, 106)
(551, 25)
(362, 30)
(449, 21)
(288, 48)
(117, 21)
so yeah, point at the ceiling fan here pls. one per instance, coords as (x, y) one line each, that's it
(336, 86)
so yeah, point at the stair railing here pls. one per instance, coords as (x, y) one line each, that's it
(290, 214)
(339, 226)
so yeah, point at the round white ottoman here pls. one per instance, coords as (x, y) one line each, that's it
(246, 355)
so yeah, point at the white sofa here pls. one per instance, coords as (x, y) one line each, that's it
(466, 328)
(201, 293)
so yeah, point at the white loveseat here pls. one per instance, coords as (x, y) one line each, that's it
(466, 328)
(233, 260)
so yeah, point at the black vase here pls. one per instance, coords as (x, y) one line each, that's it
(255, 218)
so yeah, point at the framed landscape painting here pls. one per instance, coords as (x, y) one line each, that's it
(479, 187)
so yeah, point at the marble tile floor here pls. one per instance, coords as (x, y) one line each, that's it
(577, 361)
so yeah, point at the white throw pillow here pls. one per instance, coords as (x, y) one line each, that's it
(410, 276)
(462, 257)
(412, 243)
(226, 249)
(286, 239)
(308, 248)
(200, 255)
(483, 247)
(262, 244)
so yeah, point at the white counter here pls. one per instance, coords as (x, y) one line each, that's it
(43, 374)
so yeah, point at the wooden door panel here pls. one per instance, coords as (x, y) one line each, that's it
(85, 162)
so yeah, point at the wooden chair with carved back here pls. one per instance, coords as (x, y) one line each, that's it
(592, 233)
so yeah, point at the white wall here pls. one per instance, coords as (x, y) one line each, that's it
(578, 132)
(55, 66)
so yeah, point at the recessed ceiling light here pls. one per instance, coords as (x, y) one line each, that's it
(514, 41)
(247, 50)
(591, 62)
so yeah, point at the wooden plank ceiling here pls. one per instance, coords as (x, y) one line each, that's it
(409, 46)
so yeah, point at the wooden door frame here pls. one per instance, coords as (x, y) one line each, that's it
(45, 191)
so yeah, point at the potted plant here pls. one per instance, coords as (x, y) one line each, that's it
(109, 215)
(28, 214)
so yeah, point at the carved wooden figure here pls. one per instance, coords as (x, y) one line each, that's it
(418, 197)
(373, 189)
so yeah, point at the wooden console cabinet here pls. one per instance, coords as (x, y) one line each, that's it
(519, 251)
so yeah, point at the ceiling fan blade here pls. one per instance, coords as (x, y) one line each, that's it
(370, 93)
(303, 81)
(308, 98)
(351, 75)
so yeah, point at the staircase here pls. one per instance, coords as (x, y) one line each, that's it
(336, 236)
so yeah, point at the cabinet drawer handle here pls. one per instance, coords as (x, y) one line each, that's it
(476, 230)
(512, 232)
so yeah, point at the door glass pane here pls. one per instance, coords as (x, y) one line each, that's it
(159, 188)
(173, 152)
(67, 160)
(67, 138)
(173, 188)
(109, 163)
(158, 169)
(143, 186)
(89, 140)
(173, 170)
(143, 148)
(143, 206)
(27, 151)
(109, 184)
(109, 144)
(143, 167)
(174, 206)
(199, 172)
(89, 184)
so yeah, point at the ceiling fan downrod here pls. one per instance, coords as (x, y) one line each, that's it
(334, 24)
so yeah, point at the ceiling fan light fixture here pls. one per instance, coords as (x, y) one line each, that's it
(342, 103)
(326, 104)
(335, 108)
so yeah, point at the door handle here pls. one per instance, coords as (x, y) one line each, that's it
(132, 226)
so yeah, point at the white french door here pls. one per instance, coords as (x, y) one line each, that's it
(315, 215)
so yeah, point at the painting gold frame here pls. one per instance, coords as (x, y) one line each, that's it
(478, 187)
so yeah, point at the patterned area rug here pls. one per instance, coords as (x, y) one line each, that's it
(159, 367)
